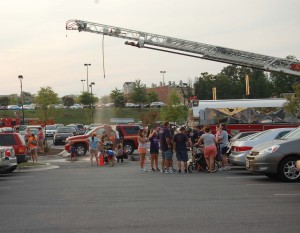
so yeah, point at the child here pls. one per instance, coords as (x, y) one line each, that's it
(119, 152)
(72, 151)
(111, 157)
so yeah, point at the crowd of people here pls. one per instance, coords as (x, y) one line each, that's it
(167, 142)
(171, 142)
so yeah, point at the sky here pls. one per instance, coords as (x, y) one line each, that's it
(34, 42)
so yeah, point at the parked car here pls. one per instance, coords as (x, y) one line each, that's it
(79, 127)
(50, 130)
(129, 136)
(6, 130)
(241, 135)
(277, 159)
(81, 142)
(238, 136)
(157, 105)
(62, 133)
(3, 107)
(17, 142)
(13, 107)
(241, 147)
(22, 129)
(76, 106)
(8, 161)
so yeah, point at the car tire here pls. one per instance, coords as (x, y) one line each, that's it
(287, 169)
(80, 149)
(128, 147)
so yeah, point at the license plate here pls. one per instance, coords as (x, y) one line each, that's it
(247, 164)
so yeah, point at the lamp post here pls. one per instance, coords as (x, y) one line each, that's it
(163, 73)
(22, 99)
(91, 106)
(87, 76)
(82, 80)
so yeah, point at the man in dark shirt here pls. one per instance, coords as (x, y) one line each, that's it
(166, 148)
(180, 147)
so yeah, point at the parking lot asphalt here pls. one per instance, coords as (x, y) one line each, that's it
(77, 197)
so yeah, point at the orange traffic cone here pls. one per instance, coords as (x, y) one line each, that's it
(101, 163)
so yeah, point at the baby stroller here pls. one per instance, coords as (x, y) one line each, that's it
(198, 162)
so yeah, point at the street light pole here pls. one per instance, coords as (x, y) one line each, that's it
(87, 76)
(82, 80)
(22, 99)
(163, 73)
(91, 106)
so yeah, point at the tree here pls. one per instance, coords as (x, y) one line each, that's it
(118, 98)
(138, 94)
(293, 103)
(152, 97)
(174, 111)
(86, 98)
(45, 98)
(4, 100)
(283, 83)
(68, 100)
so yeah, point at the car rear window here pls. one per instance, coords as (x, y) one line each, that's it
(65, 130)
(131, 129)
(7, 140)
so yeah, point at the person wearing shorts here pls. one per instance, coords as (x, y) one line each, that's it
(222, 138)
(142, 140)
(166, 148)
(180, 147)
(210, 150)
(94, 143)
(154, 149)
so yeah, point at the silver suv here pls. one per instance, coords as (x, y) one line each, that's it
(277, 159)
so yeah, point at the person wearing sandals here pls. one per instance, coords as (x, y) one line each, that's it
(210, 149)
(142, 140)
(180, 147)
(154, 149)
(94, 144)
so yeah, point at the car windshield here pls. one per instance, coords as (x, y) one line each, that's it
(50, 127)
(65, 130)
(295, 134)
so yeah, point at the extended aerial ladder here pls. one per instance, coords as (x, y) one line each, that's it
(190, 48)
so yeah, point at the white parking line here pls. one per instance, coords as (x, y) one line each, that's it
(14, 181)
(287, 194)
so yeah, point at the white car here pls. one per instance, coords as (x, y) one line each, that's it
(157, 104)
(240, 148)
(76, 106)
(50, 130)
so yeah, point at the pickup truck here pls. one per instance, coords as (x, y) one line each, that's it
(81, 142)
(129, 136)
(8, 161)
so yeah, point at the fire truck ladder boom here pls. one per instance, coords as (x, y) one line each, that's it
(190, 48)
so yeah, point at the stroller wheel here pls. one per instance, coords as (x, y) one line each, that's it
(190, 168)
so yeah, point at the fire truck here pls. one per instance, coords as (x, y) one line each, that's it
(11, 122)
(194, 49)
